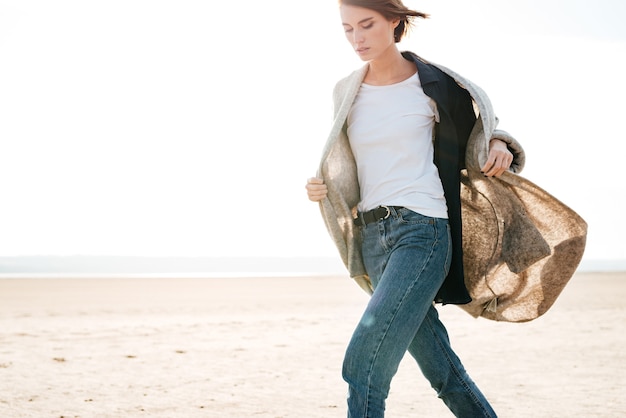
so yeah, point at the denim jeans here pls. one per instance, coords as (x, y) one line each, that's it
(407, 257)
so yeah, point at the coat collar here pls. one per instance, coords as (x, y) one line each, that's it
(426, 73)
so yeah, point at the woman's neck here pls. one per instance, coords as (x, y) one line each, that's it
(389, 68)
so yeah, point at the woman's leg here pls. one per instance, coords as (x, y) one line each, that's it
(407, 257)
(441, 366)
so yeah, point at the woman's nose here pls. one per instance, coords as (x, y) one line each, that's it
(357, 36)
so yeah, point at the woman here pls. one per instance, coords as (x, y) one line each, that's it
(389, 183)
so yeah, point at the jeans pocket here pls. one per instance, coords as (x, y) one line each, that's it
(409, 217)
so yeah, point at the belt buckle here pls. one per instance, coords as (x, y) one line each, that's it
(388, 212)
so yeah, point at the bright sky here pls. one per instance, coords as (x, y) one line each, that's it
(188, 128)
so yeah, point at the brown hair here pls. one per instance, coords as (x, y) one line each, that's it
(390, 9)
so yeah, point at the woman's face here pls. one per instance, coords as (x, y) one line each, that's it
(369, 33)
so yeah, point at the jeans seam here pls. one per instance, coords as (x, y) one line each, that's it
(456, 372)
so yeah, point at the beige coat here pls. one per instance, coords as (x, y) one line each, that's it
(521, 245)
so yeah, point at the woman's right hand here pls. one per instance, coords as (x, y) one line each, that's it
(316, 189)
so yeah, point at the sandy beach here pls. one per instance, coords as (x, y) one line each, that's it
(272, 348)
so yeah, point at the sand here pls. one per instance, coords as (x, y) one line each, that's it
(272, 347)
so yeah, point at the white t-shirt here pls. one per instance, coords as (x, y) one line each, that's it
(391, 134)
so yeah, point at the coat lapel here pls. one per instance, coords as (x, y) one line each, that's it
(343, 97)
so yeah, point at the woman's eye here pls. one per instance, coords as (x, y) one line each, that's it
(368, 26)
(348, 30)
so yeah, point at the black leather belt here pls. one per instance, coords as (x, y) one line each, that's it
(374, 215)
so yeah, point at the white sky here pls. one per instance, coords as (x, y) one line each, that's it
(188, 128)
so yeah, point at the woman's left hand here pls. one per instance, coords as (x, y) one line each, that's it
(499, 160)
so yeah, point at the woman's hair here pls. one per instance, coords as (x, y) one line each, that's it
(390, 9)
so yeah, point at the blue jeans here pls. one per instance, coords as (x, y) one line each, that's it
(407, 257)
